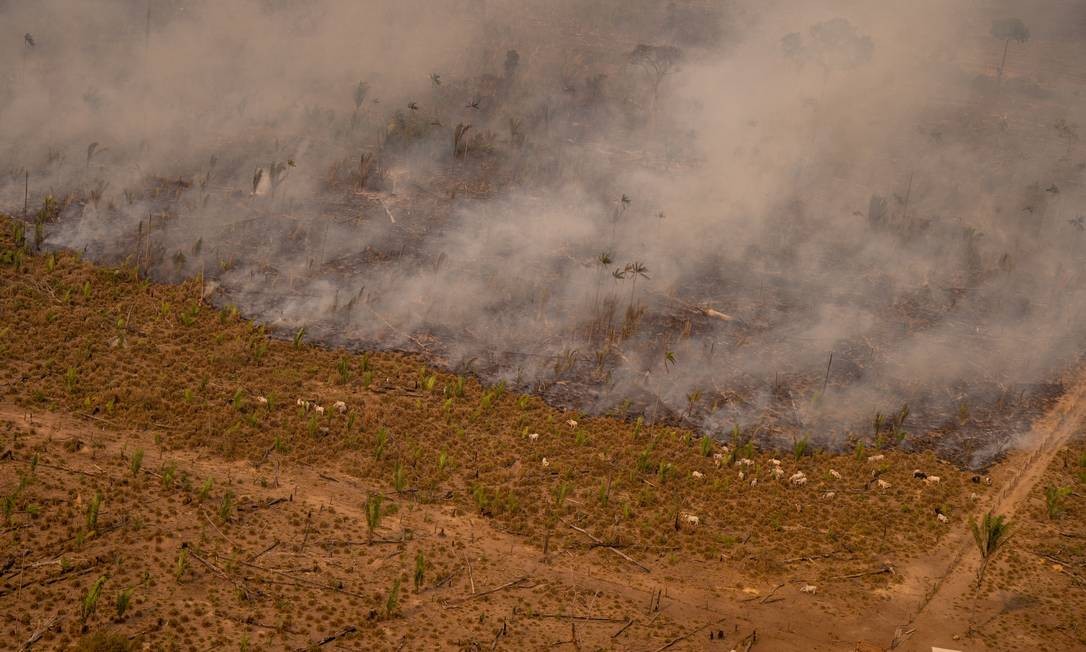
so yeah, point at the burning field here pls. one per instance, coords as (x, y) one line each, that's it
(794, 293)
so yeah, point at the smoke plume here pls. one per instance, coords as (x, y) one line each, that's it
(789, 219)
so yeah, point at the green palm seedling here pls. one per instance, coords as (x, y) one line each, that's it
(226, 507)
(136, 462)
(561, 492)
(124, 599)
(1054, 500)
(991, 534)
(205, 490)
(420, 570)
(399, 480)
(691, 400)
(898, 423)
(382, 442)
(801, 447)
(90, 600)
(169, 474)
(92, 513)
(392, 603)
(373, 514)
(706, 446)
(181, 565)
(343, 367)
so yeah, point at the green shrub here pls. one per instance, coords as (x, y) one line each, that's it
(1055, 501)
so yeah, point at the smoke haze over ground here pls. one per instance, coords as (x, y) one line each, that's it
(680, 209)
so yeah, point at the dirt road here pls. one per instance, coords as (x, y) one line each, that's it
(941, 588)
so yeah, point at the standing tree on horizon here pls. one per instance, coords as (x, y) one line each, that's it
(658, 61)
(1008, 29)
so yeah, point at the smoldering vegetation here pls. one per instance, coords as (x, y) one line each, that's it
(830, 223)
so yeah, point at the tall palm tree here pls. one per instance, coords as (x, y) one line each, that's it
(618, 275)
(1010, 29)
(635, 269)
(604, 261)
(620, 210)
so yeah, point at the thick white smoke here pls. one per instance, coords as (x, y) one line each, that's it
(678, 208)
